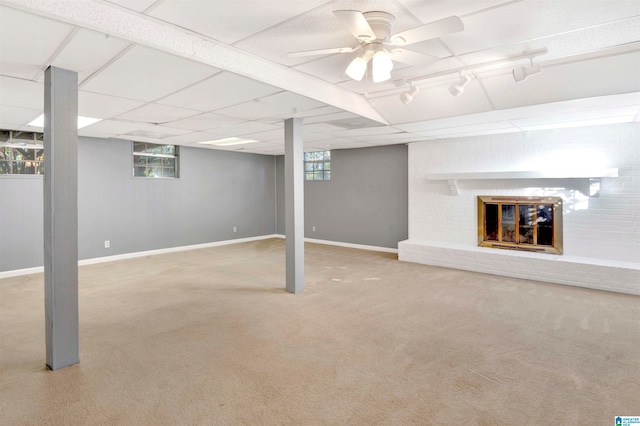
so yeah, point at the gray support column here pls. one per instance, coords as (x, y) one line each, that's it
(61, 217)
(294, 203)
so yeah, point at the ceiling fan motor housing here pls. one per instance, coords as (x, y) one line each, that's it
(380, 23)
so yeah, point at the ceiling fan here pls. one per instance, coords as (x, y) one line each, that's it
(373, 32)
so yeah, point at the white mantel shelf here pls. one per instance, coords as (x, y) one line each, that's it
(592, 174)
(533, 174)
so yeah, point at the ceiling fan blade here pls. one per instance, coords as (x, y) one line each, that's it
(322, 51)
(435, 29)
(357, 25)
(414, 58)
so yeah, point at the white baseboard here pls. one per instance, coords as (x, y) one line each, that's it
(348, 245)
(40, 269)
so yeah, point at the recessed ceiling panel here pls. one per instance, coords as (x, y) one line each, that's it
(155, 113)
(21, 93)
(206, 121)
(27, 42)
(137, 5)
(222, 90)
(245, 128)
(194, 138)
(229, 21)
(146, 74)
(530, 19)
(117, 127)
(87, 52)
(16, 116)
(103, 106)
(598, 77)
(433, 10)
(270, 106)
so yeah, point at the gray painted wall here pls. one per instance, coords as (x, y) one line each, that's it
(216, 191)
(365, 202)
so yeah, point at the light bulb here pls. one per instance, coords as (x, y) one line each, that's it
(382, 66)
(357, 68)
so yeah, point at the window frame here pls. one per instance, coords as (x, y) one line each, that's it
(34, 142)
(556, 246)
(175, 156)
(326, 160)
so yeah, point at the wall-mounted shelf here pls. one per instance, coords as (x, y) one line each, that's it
(593, 175)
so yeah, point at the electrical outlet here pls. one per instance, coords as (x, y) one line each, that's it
(235, 229)
(313, 228)
(107, 244)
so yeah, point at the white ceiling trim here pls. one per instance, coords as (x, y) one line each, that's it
(145, 31)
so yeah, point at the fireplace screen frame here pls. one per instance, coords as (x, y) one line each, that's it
(555, 205)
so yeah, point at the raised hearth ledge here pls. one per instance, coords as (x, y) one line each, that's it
(621, 277)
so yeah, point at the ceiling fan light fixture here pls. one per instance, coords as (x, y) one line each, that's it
(357, 68)
(381, 66)
(407, 97)
(457, 89)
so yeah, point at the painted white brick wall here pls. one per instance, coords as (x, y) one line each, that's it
(601, 235)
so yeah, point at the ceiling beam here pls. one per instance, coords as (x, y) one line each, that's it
(146, 31)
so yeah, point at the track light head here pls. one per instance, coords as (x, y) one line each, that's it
(457, 89)
(407, 97)
(522, 73)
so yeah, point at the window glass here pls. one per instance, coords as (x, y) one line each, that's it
(155, 161)
(317, 165)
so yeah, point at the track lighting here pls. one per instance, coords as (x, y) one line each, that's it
(522, 73)
(456, 89)
(407, 97)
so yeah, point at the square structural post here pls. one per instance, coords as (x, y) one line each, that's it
(61, 217)
(294, 204)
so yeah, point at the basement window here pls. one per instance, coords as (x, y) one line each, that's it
(520, 223)
(152, 160)
(317, 165)
(21, 153)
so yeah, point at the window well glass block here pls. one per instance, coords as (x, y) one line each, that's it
(318, 175)
(308, 176)
(308, 167)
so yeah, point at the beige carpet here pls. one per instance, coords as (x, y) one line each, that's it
(210, 337)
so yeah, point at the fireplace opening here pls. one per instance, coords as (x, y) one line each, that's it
(520, 223)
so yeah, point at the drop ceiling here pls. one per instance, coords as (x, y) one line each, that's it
(184, 72)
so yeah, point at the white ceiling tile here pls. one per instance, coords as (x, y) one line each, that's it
(471, 128)
(146, 74)
(598, 77)
(117, 127)
(270, 106)
(137, 5)
(222, 90)
(87, 51)
(530, 19)
(16, 116)
(308, 136)
(330, 117)
(269, 135)
(194, 138)
(155, 113)
(27, 42)
(103, 106)
(382, 137)
(433, 10)
(330, 68)
(21, 93)
(205, 121)
(229, 21)
(577, 116)
(245, 128)
(378, 130)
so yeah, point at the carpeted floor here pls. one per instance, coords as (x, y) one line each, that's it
(210, 337)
